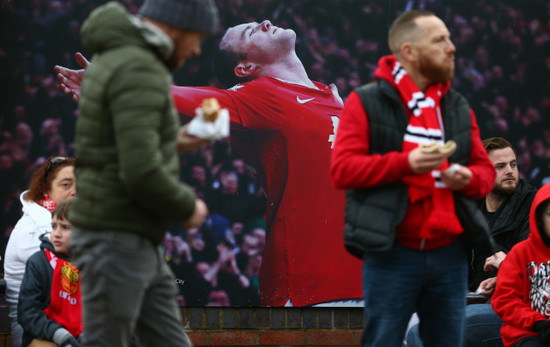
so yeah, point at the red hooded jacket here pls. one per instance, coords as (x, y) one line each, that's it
(522, 293)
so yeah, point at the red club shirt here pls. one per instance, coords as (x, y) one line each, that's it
(65, 302)
(285, 131)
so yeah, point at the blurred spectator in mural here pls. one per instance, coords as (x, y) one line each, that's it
(22, 144)
(235, 204)
(49, 139)
(218, 298)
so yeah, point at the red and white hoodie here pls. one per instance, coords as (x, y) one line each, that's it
(522, 294)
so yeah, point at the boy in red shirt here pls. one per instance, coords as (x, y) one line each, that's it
(49, 302)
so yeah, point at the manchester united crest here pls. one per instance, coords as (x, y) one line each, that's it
(69, 277)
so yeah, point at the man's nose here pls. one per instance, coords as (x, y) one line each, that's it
(451, 47)
(265, 25)
(198, 49)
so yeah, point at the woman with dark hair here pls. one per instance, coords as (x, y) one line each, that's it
(50, 184)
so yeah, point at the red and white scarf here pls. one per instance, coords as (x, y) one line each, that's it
(47, 203)
(425, 126)
(65, 306)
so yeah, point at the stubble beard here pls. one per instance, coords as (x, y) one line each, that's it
(436, 73)
(505, 191)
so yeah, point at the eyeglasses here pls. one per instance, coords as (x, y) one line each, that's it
(53, 161)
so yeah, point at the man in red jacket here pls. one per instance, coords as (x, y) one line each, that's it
(400, 215)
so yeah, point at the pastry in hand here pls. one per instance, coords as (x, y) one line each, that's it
(448, 148)
(210, 108)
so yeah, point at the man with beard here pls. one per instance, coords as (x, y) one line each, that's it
(400, 215)
(507, 211)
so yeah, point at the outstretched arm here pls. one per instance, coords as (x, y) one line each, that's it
(70, 80)
(186, 99)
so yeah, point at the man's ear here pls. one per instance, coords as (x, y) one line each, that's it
(245, 69)
(408, 51)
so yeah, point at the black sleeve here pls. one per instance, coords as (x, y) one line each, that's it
(34, 297)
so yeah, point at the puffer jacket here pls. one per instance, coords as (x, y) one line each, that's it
(126, 158)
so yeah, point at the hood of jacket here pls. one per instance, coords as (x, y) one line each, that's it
(46, 243)
(539, 238)
(41, 217)
(111, 26)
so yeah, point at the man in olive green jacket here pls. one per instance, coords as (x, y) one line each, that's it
(127, 171)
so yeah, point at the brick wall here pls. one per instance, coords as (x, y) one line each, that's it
(261, 326)
(265, 326)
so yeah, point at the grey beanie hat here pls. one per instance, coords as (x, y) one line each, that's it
(198, 15)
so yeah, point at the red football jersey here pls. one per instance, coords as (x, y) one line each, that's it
(285, 131)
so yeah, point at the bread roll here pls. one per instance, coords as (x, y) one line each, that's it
(448, 148)
(210, 108)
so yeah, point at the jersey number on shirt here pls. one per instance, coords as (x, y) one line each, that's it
(331, 137)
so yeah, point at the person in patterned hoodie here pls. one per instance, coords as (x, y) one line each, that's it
(522, 294)
(50, 307)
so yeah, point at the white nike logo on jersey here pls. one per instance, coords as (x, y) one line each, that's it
(235, 87)
(303, 101)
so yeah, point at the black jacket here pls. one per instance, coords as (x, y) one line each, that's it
(35, 295)
(373, 214)
(509, 225)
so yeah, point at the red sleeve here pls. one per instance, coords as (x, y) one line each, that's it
(351, 166)
(483, 170)
(512, 286)
(187, 99)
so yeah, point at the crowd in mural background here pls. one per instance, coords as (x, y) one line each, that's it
(502, 67)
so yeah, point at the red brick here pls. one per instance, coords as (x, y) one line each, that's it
(333, 337)
(275, 337)
(199, 338)
(233, 338)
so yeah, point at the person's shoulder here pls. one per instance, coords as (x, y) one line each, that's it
(37, 259)
(257, 88)
(38, 214)
(520, 250)
(525, 192)
(129, 59)
(456, 98)
(531, 189)
(525, 249)
(376, 88)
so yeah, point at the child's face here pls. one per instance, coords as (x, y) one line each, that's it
(546, 219)
(61, 234)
